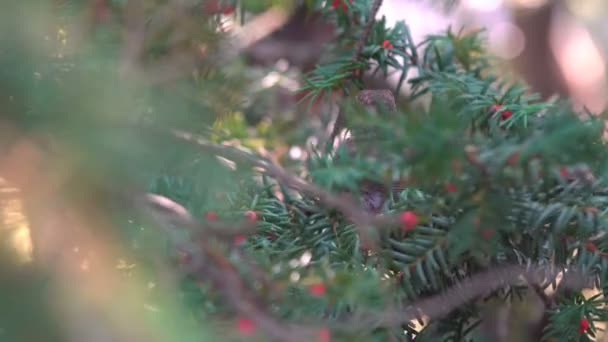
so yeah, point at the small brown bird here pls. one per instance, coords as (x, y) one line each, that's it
(373, 194)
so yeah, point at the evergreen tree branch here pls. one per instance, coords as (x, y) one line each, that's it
(347, 206)
(475, 286)
(339, 121)
(212, 265)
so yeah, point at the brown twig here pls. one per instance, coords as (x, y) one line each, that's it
(476, 286)
(366, 29)
(176, 215)
(347, 206)
(207, 263)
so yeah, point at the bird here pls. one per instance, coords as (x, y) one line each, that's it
(373, 194)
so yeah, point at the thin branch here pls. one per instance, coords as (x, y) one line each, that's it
(209, 264)
(476, 286)
(366, 29)
(345, 204)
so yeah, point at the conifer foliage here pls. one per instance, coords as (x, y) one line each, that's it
(484, 198)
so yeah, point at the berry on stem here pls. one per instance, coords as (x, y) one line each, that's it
(505, 114)
(409, 220)
(324, 335)
(245, 326)
(487, 233)
(592, 210)
(239, 239)
(513, 158)
(583, 325)
(450, 187)
(228, 10)
(317, 289)
(211, 216)
(591, 247)
(215, 7)
(251, 216)
(387, 44)
(336, 3)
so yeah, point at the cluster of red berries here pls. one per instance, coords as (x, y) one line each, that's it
(387, 44)
(505, 114)
(341, 3)
(450, 187)
(217, 7)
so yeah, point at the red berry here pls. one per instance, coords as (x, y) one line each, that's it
(564, 172)
(583, 325)
(214, 7)
(506, 114)
(211, 6)
(336, 3)
(101, 10)
(317, 289)
(228, 10)
(245, 326)
(239, 239)
(592, 210)
(387, 44)
(409, 220)
(184, 257)
(513, 158)
(251, 216)
(591, 247)
(487, 233)
(211, 216)
(449, 187)
(324, 335)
